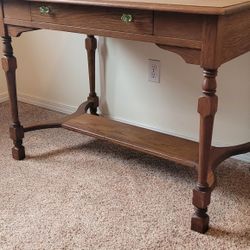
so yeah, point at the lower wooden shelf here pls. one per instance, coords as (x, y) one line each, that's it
(165, 146)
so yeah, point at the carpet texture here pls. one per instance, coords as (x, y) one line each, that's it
(76, 192)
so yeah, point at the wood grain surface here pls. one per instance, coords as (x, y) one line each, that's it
(178, 25)
(186, 6)
(17, 9)
(95, 17)
(235, 38)
(155, 143)
(207, 33)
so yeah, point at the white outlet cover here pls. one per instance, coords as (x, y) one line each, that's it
(154, 70)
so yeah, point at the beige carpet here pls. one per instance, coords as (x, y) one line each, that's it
(75, 192)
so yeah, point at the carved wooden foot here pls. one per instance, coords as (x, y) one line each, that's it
(200, 219)
(18, 152)
(17, 134)
(9, 65)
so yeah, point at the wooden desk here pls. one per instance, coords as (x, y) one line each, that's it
(206, 33)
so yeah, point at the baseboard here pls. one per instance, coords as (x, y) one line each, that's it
(68, 109)
(55, 106)
(3, 97)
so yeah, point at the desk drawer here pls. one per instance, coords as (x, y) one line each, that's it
(178, 25)
(16, 9)
(95, 17)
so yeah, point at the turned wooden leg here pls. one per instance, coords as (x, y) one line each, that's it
(91, 45)
(9, 65)
(207, 107)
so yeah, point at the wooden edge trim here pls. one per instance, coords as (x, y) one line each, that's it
(108, 33)
(159, 7)
(219, 154)
(16, 31)
(189, 55)
(236, 8)
(47, 125)
(58, 123)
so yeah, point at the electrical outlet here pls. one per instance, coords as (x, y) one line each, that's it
(154, 70)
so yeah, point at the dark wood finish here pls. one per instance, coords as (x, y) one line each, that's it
(109, 33)
(211, 7)
(9, 65)
(224, 39)
(192, 56)
(210, 38)
(83, 108)
(207, 108)
(15, 31)
(219, 154)
(235, 37)
(189, 35)
(205, 33)
(165, 146)
(95, 18)
(2, 27)
(178, 25)
(91, 45)
(16, 9)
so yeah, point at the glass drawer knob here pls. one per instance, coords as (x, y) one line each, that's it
(127, 18)
(45, 10)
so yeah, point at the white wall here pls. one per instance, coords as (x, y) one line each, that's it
(52, 68)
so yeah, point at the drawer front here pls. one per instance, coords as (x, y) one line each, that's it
(16, 9)
(95, 17)
(178, 25)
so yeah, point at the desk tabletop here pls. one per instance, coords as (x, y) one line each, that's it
(217, 7)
